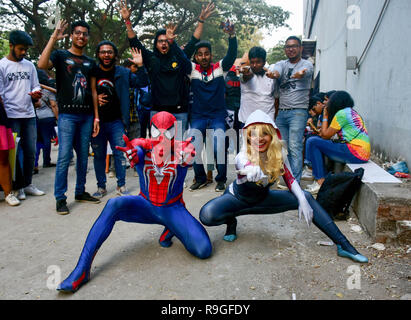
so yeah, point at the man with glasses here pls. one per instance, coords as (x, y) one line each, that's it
(294, 79)
(168, 66)
(110, 86)
(78, 120)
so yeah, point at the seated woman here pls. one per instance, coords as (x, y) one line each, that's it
(259, 165)
(162, 164)
(353, 145)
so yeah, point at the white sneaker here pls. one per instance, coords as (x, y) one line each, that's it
(19, 194)
(307, 175)
(33, 191)
(313, 188)
(12, 200)
(122, 191)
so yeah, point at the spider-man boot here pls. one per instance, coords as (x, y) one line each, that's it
(79, 276)
(165, 238)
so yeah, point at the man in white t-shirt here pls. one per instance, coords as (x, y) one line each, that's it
(257, 90)
(19, 88)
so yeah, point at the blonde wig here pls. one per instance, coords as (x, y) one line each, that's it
(271, 162)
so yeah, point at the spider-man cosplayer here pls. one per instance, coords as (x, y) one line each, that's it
(162, 164)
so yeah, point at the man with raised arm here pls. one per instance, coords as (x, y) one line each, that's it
(168, 65)
(78, 120)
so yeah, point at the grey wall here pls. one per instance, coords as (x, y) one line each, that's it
(381, 87)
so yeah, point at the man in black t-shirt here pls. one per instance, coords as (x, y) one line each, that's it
(110, 90)
(78, 120)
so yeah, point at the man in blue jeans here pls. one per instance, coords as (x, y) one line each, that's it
(78, 120)
(294, 76)
(209, 110)
(19, 88)
(110, 89)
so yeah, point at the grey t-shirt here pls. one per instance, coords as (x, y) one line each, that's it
(294, 93)
(45, 110)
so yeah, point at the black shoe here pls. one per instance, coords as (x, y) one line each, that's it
(220, 187)
(198, 185)
(61, 207)
(35, 170)
(49, 165)
(86, 197)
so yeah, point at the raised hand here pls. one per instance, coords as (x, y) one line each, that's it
(170, 31)
(299, 74)
(137, 57)
(124, 11)
(206, 11)
(253, 173)
(185, 152)
(59, 31)
(228, 27)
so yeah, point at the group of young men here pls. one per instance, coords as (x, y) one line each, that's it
(95, 107)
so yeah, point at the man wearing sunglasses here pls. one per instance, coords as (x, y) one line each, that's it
(77, 120)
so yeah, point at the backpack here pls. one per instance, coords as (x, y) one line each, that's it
(338, 191)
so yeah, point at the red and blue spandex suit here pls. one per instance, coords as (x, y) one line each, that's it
(159, 202)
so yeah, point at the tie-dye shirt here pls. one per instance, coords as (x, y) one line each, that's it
(352, 130)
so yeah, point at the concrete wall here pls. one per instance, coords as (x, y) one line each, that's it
(381, 87)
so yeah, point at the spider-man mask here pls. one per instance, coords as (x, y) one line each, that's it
(163, 130)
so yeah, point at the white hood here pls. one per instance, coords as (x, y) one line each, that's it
(259, 117)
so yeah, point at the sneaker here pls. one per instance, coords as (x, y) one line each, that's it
(86, 197)
(198, 185)
(100, 193)
(12, 200)
(307, 175)
(122, 191)
(313, 188)
(61, 207)
(33, 191)
(220, 187)
(20, 194)
(111, 174)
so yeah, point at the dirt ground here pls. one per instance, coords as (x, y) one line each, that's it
(276, 257)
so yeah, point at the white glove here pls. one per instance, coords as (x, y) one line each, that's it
(253, 173)
(305, 209)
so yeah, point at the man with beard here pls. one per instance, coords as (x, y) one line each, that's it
(78, 120)
(19, 88)
(168, 66)
(110, 86)
(209, 110)
(294, 76)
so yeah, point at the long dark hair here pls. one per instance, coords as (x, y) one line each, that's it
(339, 101)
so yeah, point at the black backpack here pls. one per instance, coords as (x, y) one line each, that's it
(338, 191)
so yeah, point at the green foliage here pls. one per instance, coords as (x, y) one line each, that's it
(147, 17)
(276, 54)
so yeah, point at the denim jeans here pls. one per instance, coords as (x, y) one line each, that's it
(111, 132)
(292, 124)
(317, 148)
(74, 131)
(182, 122)
(198, 130)
(26, 129)
(46, 133)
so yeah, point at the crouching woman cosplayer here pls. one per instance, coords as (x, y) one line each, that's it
(259, 164)
(162, 165)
